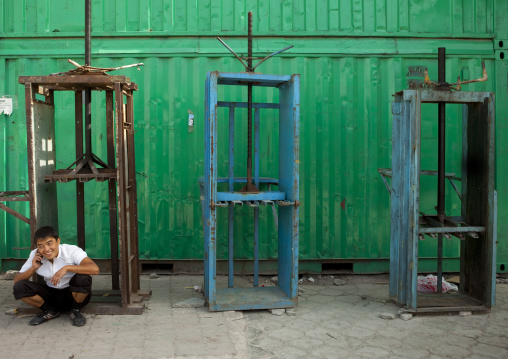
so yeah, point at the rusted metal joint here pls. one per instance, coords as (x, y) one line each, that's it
(297, 204)
(445, 86)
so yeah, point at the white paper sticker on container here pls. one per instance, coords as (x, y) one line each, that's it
(6, 105)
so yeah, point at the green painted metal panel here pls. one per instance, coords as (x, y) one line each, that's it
(445, 18)
(352, 56)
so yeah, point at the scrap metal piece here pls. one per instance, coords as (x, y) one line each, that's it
(458, 84)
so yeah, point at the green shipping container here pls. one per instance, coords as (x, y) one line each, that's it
(353, 55)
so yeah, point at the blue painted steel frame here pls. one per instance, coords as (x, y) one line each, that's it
(406, 110)
(286, 293)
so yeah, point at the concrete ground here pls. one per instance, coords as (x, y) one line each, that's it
(330, 322)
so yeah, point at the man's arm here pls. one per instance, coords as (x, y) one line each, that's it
(36, 264)
(86, 266)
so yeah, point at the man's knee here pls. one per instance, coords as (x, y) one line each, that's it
(24, 288)
(81, 283)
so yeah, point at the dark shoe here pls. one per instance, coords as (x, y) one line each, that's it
(44, 317)
(78, 319)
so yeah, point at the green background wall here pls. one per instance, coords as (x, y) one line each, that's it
(352, 55)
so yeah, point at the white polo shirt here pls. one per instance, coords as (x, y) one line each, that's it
(68, 254)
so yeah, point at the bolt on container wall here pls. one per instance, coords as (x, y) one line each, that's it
(351, 55)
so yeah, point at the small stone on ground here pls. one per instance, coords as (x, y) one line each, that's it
(290, 311)
(339, 282)
(278, 311)
(406, 316)
(388, 316)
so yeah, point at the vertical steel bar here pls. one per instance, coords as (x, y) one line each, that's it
(231, 188)
(113, 223)
(256, 209)
(441, 168)
(31, 161)
(88, 32)
(132, 191)
(121, 190)
(88, 91)
(80, 186)
(256, 147)
(249, 104)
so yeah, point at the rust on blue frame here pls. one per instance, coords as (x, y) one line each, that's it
(475, 227)
(285, 199)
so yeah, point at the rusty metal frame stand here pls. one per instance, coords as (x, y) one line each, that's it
(43, 175)
(476, 228)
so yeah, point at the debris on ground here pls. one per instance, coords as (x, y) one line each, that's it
(301, 291)
(364, 297)
(274, 279)
(465, 313)
(278, 311)
(339, 282)
(291, 311)
(9, 275)
(406, 316)
(388, 316)
(310, 279)
(190, 303)
(11, 312)
(300, 280)
(154, 276)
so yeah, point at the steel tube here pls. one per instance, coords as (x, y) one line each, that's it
(441, 168)
(231, 205)
(88, 32)
(249, 105)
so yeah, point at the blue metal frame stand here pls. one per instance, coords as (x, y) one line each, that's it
(286, 198)
(475, 228)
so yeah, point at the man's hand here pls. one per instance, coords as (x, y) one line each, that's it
(36, 262)
(58, 275)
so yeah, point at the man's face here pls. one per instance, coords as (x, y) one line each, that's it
(48, 247)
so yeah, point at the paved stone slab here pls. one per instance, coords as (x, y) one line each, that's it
(332, 321)
(190, 303)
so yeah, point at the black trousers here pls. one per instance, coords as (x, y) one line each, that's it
(58, 299)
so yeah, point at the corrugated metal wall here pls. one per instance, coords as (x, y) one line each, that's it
(352, 56)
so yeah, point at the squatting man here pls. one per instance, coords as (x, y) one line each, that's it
(66, 270)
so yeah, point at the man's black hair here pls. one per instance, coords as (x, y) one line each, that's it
(45, 232)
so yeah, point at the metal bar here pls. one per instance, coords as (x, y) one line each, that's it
(274, 106)
(80, 186)
(256, 246)
(388, 188)
(132, 192)
(13, 193)
(242, 196)
(121, 193)
(231, 176)
(113, 223)
(231, 205)
(451, 229)
(227, 47)
(441, 168)
(267, 57)
(88, 32)
(30, 155)
(81, 81)
(14, 213)
(256, 147)
(455, 188)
